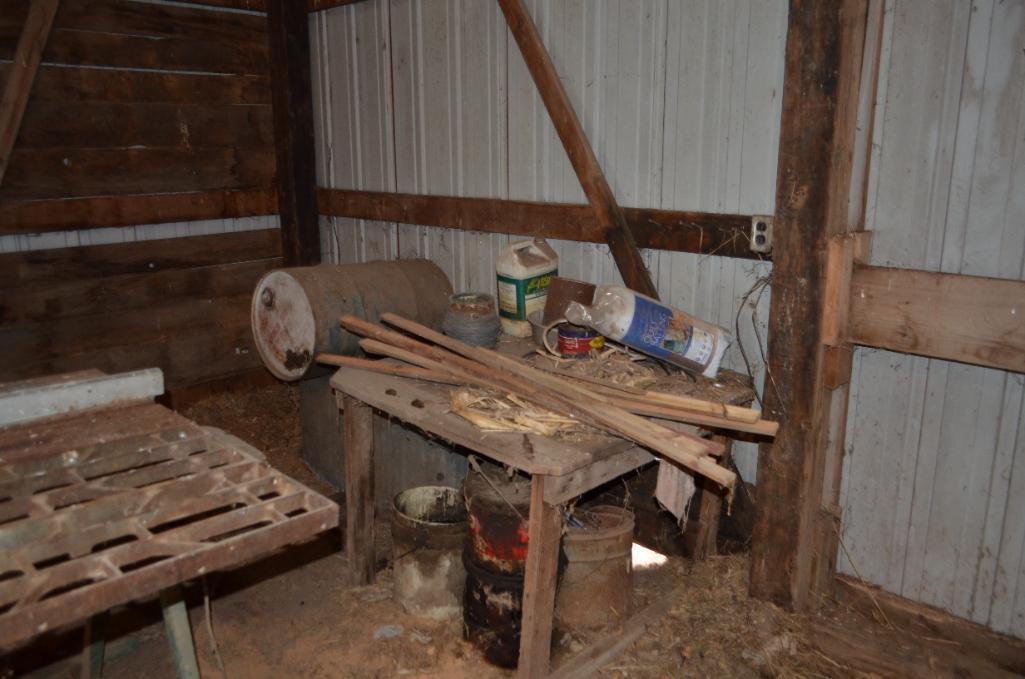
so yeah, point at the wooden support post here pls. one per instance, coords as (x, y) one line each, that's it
(544, 535)
(703, 539)
(358, 424)
(292, 99)
(607, 212)
(22, 74)
(819, 193)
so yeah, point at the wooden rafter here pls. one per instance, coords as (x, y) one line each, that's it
(581, 156)
(22, 74)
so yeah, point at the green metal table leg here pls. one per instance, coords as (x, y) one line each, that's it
(94, 646)
(179, 633)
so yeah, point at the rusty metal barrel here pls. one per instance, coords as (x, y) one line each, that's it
(495, 559)
(596, 585)
(295, 311)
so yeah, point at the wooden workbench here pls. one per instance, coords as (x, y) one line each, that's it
(560, 471)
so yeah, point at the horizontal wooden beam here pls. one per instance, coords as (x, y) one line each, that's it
(970, 319)
(61, 214)
(698, 232)
(318, 5)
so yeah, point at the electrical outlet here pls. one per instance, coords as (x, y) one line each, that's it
(761, 233)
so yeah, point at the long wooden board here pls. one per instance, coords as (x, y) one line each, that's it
(680, 231)
(50, 124)
(64, 172)
(37, 267)
(971, 319)
(66, 84)
(62, 214)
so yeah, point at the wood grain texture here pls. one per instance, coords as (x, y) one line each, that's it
(65, 265)
(971, 319)
(295, 146)
(825, 41)
(32, 40)
(681, 231)
(100, 124)
(180, 304)
(79, 172)
(539, 581)
(607, 212)
(61, 214)
(65, 84)
(358, 432)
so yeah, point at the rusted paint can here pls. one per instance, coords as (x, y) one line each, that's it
(495, 557)
(294, 312)
(428, 527)
(596, 586)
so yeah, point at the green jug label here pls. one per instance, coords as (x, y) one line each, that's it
(518, 298)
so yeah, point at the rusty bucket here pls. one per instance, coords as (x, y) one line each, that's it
(428, 528)
(495, 558)
(597, 583)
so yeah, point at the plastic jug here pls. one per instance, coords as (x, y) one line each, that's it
(653, 328)
(525, 269)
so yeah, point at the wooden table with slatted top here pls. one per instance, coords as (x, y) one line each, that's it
(113, 504)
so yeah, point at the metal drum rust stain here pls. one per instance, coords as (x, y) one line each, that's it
(495, 557)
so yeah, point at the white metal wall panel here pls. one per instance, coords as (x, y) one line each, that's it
(679, 99)
(934, 477)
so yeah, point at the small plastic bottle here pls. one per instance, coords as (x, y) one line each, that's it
(653, 328)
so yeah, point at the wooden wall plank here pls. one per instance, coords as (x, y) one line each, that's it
(73, 84)
(62, 214)
(47, 267)
(43, 303)
(91, 125)
(972, 319)
(79, 48)
(53, 173)
(128, 17)
(681, 231)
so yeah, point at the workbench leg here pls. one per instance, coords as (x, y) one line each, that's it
(706, 532)
(544, 535)
(94, 645)
(358, 424)
(179, 633)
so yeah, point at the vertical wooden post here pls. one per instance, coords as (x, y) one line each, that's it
(797, 522)
(706, 532)
(607, 212)
(358, 421)
(543, 540)
(292, 99)
(27, 56)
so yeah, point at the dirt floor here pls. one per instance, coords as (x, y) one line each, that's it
(293, 615)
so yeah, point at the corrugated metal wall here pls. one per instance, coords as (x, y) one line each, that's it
(934, 478)
(680, 100)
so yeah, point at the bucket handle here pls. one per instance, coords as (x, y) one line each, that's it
(547, 332)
